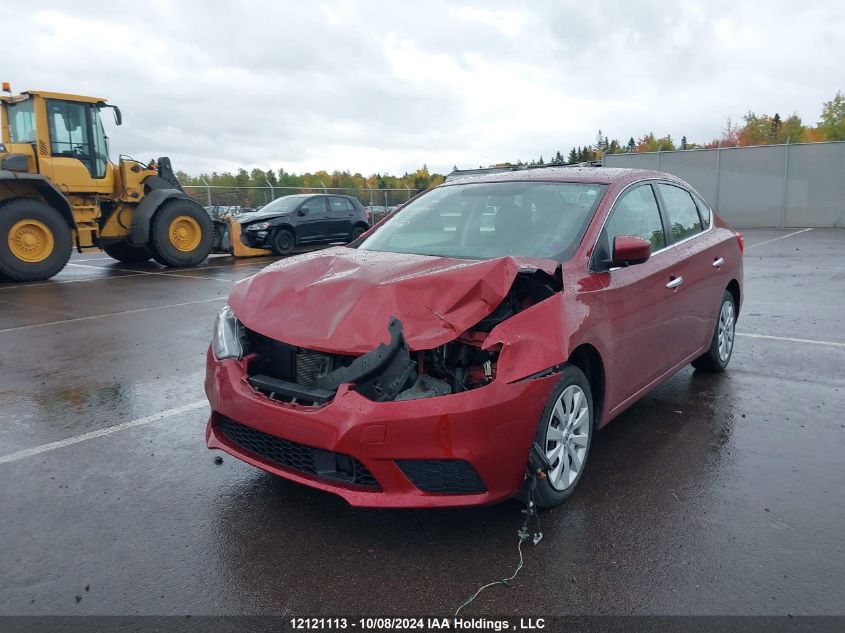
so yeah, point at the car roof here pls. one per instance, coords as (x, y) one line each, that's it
(311, 195)
(592, 175)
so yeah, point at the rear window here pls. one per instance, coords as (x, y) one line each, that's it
(703, 210)
(21, 121)
(682, 212)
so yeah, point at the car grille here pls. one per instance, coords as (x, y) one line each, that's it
(288, 362)
(442, 476)
(310, 366)
(298, 457)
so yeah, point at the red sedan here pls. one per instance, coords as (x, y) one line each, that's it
(488, 319)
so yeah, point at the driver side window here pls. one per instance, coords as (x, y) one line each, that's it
(314, 206)
(636, 213)
(70, 135)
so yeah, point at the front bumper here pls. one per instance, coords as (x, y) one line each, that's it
(255, 239)
(490, 429)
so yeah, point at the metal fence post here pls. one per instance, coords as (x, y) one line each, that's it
(659, 147)
(323, 185)
(785, 183)
(207, 191)
(408, 189)
(272, 191)
(370, 189)
(718, 175)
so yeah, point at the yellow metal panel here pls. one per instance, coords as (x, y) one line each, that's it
(239, 249)
(119, 222)
(64, 96)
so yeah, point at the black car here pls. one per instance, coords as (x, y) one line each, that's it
(303, 219)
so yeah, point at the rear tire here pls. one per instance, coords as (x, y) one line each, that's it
(357, 232)
(128, 253)
(181, 234)
(565, 434)
(35, 240)
(716, 359)
(284, 242)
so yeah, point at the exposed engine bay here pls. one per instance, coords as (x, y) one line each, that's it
(391, 371)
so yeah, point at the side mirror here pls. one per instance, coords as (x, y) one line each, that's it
(301, 211)
(118, 117)
(629, 250)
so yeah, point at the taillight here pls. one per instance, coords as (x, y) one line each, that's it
(741, 241)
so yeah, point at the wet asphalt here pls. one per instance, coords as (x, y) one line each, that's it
(712, 495)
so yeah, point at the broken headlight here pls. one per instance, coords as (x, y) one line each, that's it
(226, 340)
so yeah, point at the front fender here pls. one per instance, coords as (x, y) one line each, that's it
(143, 214)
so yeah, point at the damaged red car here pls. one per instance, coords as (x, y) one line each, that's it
(490, 323)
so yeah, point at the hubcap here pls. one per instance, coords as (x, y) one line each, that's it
(567, 436)
(185, 233)
(725, 335)
(31, 241)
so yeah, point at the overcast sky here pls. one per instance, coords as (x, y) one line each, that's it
(388, 86)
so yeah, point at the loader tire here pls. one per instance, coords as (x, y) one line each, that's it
(128, 253)
(181, 234)
(35, 240)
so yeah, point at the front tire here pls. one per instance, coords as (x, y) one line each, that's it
(565, 434)
(716, 359)
(283, 242)
(35, 240)
(181, 234)
(128, 253)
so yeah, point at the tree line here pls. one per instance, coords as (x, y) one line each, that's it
(755, 129)
(762, 129)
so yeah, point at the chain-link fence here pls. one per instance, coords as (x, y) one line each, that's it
(236, 199)
(791, 185)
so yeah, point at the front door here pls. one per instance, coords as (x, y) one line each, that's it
(78, 154)
(311, 219)
(636, 298)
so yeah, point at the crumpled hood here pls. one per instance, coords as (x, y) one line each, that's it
(252, 216)
(339, 300)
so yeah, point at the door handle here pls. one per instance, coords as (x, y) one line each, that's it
(675, 282)
(717, 263)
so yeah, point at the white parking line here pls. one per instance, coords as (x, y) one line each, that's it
(782, 237)
(150, 272)
(109, 314)
(70, 281)
(791, 340)
(167, 413)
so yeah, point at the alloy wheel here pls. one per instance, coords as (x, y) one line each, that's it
(567, 437)
(725, 334)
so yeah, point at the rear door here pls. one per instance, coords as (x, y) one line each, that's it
(312, 221)
(636, 298)
(699, 294)
(340, 217)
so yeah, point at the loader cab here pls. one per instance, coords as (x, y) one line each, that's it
(64, 138)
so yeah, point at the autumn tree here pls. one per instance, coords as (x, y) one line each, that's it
(832, 124)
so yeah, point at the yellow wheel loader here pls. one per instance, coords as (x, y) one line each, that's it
(59, 190)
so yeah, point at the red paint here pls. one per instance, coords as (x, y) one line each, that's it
(491, 427)
(339, 301)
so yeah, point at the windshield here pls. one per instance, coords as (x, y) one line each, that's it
(21, 122)
(281, 205)
(488, 220)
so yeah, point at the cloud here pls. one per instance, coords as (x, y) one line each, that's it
(380, 86)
